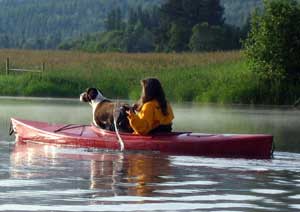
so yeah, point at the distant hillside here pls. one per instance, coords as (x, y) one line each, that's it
(23, 23)
(39, 24)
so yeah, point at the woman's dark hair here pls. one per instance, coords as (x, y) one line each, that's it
(152, 89)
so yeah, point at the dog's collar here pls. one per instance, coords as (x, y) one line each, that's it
(99, 99)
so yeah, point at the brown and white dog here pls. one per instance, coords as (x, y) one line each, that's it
(103, 111)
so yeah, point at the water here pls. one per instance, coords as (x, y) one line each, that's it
(46, 178)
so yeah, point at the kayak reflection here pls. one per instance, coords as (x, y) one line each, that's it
(130, 173)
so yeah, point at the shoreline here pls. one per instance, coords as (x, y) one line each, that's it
(76, 100)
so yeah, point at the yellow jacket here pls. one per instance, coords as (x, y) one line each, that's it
(149, 118)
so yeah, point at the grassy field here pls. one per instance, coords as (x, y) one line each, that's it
(220, 77)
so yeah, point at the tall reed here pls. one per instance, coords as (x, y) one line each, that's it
(221, 77)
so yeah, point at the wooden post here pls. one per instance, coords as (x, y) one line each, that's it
(43, 66)
(7, 66)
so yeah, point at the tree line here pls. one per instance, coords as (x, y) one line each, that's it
(174, 26)
(49, 24)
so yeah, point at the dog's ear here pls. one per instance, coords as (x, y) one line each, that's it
(92, 93)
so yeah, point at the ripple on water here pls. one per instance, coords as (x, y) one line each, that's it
(282, 162)
(180, 191)
(268, 191)
(46, 194)
(19, 183)
(170, 206)
(295, 196)
(187, 183)
(191, 198)
(295, 206)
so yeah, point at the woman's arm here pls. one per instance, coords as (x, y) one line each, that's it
(143, 122)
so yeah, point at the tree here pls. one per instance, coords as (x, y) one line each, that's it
(114, 20)
(213, 38)
(139, 39)
(193, 12)
(202, 38)
(178, 35)
(273, 45)
(178, 17)
(215, 13)
(273, 49)
(111, 41)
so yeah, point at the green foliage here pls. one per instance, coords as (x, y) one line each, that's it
(192, 12)
(202, 39)
(183, 25)
(135, 35)
(178, 37)
(138, 39)
(110, 42)
(179, 17)
(273, 46)
(214, 38)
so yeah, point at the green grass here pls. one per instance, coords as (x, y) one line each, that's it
(221, 77)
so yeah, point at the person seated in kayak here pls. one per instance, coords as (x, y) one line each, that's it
(153, 113)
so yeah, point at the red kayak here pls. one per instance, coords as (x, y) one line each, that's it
(177, 143)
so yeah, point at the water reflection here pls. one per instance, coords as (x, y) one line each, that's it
(118, 173)
(65, 179)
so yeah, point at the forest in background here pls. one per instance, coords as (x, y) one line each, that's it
(174, 26)
(47, 24)
(44, 24)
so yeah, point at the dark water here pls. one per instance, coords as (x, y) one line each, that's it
(46, 178)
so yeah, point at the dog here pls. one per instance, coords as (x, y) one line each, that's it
(103, 111)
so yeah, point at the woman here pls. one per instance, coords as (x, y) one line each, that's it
(154, 114)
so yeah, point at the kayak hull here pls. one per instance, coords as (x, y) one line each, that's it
(258, 146)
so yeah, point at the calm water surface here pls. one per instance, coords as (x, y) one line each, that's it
(46, 178)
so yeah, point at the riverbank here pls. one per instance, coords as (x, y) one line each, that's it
(220, 77)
